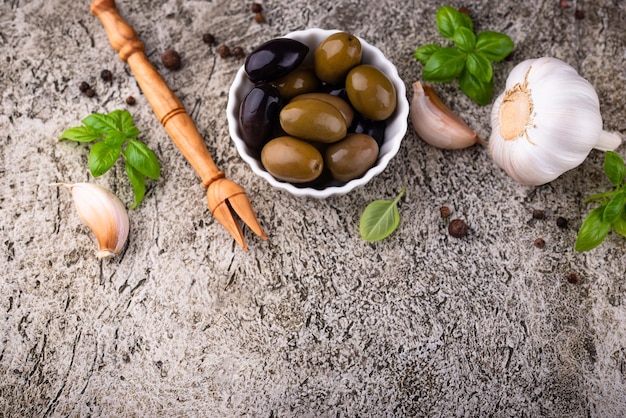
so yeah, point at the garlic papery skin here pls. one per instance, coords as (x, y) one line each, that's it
(103, 212)
(546, 122)
(436, 124)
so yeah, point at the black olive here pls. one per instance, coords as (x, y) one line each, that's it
(275, 59)
(373, 128)
(258, 114)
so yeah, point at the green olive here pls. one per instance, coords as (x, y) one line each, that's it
(314, 120)
(336, 55)
(299, 81)
(371, 92)
(342, 106)
(351, 157)
(292, 160)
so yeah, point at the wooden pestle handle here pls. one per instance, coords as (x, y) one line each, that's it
(166, 106)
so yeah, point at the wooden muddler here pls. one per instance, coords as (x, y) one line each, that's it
(223, 196)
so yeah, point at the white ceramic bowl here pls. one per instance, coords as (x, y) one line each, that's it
(394, 133)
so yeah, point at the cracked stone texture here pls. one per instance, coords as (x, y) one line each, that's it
(314, 321)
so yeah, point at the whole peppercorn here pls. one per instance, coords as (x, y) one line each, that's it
(171, 59)
(538, 214)
(457, 228)
(208, 39)
(464, 10)
(238, 52)
(539, 243)
(579, 14)
(90, 92)
(223, 51)
(130, 100)
(444, 211)
(561, 222)
(259, 18)
(257, 8)
(106, 75)
(573, 278)
(83, 86)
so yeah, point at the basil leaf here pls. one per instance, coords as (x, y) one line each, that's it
(423, 53)
(614, 168)
(380, 218)
(126, 124)
(450, 19)
(138, 181)
(479, 91)
(464, 39)
(142, 159)
(494, 46)
(593, 230)
(444, 65)
(101, 123)
(480, 67)
(102, 156)
(80, 134)
(619, 224)
(115, 139)
(614, 208)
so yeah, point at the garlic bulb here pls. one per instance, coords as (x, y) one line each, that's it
(436, 124)
(104, 214)
(546, 122)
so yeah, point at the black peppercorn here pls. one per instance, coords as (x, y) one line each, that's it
(106, 75)
(208, 39)
(171, 59)
(579, 14)
(238, 52)
(90, 92)
(444, 211)
(223, 51)
(538, 214)
(257, 8)
(561, 222)
(540, 243)
(573, 278)
(83, 86)
(259, 18)
(457, 228)
(130, 100)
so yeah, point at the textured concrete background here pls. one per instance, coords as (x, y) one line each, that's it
(313, 322)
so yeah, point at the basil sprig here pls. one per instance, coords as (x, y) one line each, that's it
(611, 214)
(469, 60)
(114, 135)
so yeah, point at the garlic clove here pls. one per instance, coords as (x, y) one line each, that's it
(103, 212)
(436, 124)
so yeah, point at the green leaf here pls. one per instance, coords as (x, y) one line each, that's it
(138, 181)
(450, 19)
(115, 139)
(444, 65)
(126, 124)
(380, 218)
(423, 53)
(619, 224)
(614, 208)
(494, 46)
(614, 168)
(593, 230)
(101, 123)
(479, 91)
(142, 159)
(464, 39)
(479, 67)
(102, 157)
(80, 134)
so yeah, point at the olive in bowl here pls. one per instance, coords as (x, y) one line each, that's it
(334, 179)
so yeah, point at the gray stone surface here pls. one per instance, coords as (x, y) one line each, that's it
(313, 322)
